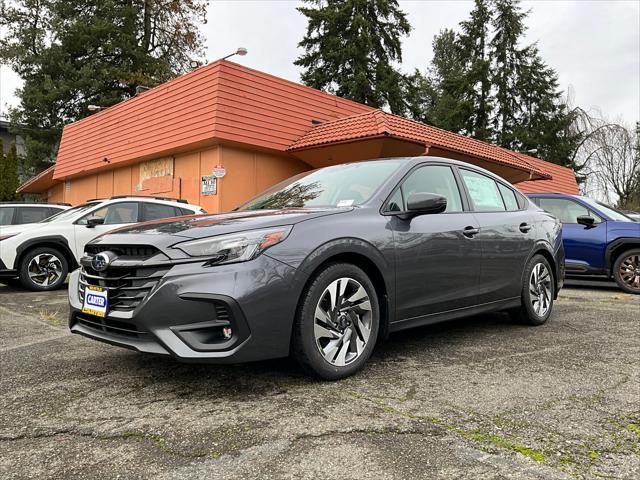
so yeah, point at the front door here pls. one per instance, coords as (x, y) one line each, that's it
(437, 260)
(584, 246)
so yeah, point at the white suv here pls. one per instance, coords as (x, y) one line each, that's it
(43, 253)
(23, 213)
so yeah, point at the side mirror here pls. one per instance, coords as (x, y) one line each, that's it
(586, 220)
(421, 203)
(94, 220)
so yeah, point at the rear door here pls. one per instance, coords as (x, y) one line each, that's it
(507, 235)
(437, 260)
(584, 246)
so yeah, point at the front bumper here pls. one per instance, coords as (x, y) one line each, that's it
(185, 312)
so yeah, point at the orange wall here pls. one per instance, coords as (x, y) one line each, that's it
(248, 173)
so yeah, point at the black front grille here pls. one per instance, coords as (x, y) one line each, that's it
(126, 287)
(117, 327)
(124, 251)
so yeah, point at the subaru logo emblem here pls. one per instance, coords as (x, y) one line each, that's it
(100, 262)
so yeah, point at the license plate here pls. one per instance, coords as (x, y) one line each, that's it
(95, 301)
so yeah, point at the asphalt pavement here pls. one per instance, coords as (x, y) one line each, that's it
(476, 398)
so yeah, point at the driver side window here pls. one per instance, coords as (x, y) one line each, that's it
(114, 214)
(436, 179)
(566, 211)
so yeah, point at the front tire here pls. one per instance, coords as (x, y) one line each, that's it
(337, 322)
(626, 271)
(538, 292)
(43, 269)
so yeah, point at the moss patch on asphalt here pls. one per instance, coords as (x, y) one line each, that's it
(475, 434)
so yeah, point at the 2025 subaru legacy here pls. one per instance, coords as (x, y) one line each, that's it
(323, 266)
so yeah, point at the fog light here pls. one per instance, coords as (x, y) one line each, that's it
(227, 332)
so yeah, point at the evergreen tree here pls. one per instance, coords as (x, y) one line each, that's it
(508, 22)
(451, 108)
(543, 121)
(473, 42)
(484, 84)
(73, 53)
(9, 174)
(350, 47)
(420, 96)
(2, 160)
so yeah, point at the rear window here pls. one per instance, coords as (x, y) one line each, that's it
(509, 197)
(155, 211)
(32, 214)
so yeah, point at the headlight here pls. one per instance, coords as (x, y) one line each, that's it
(235, 247)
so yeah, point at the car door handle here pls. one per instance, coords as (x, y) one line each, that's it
(525, 227)
(469, 232)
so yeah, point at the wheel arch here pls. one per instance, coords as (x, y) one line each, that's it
(542, 248)
(57, 242)
(616, 248)
(366, 257)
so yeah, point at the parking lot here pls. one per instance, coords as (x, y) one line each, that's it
(476, 398)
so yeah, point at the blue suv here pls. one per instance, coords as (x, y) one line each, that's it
(598, 240)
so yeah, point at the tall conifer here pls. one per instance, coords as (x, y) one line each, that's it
(351, 47)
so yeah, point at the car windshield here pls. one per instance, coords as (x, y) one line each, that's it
(338, 186)
(68, 214)
(610, 212)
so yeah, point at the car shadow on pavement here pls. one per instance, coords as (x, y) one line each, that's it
(272, 377)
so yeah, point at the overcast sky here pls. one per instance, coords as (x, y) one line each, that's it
(594, 45)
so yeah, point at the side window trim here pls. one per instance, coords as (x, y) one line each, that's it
(454, 169)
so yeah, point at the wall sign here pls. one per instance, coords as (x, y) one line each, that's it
(219, 171)
(208, 185)
(160, 167)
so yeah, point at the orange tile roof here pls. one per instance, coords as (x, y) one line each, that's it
(38, 183)
(221, 101)
(381, 124)
(563, 180)
(227, 101)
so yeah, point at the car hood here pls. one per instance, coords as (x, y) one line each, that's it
(15, 229)
(199, 226)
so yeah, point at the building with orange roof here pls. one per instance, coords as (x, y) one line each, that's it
(254, 130)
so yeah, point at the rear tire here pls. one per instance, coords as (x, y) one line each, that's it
(538, 291)
(626, 271)
(43, 269)
(337, 322)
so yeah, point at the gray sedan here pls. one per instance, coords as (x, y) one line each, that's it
(323, 266)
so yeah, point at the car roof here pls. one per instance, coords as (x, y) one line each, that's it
(61, 206)
(160, 200)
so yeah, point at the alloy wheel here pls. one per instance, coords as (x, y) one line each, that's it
(629, 271)
(342, 321)
(540, 289)
(45, 269)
